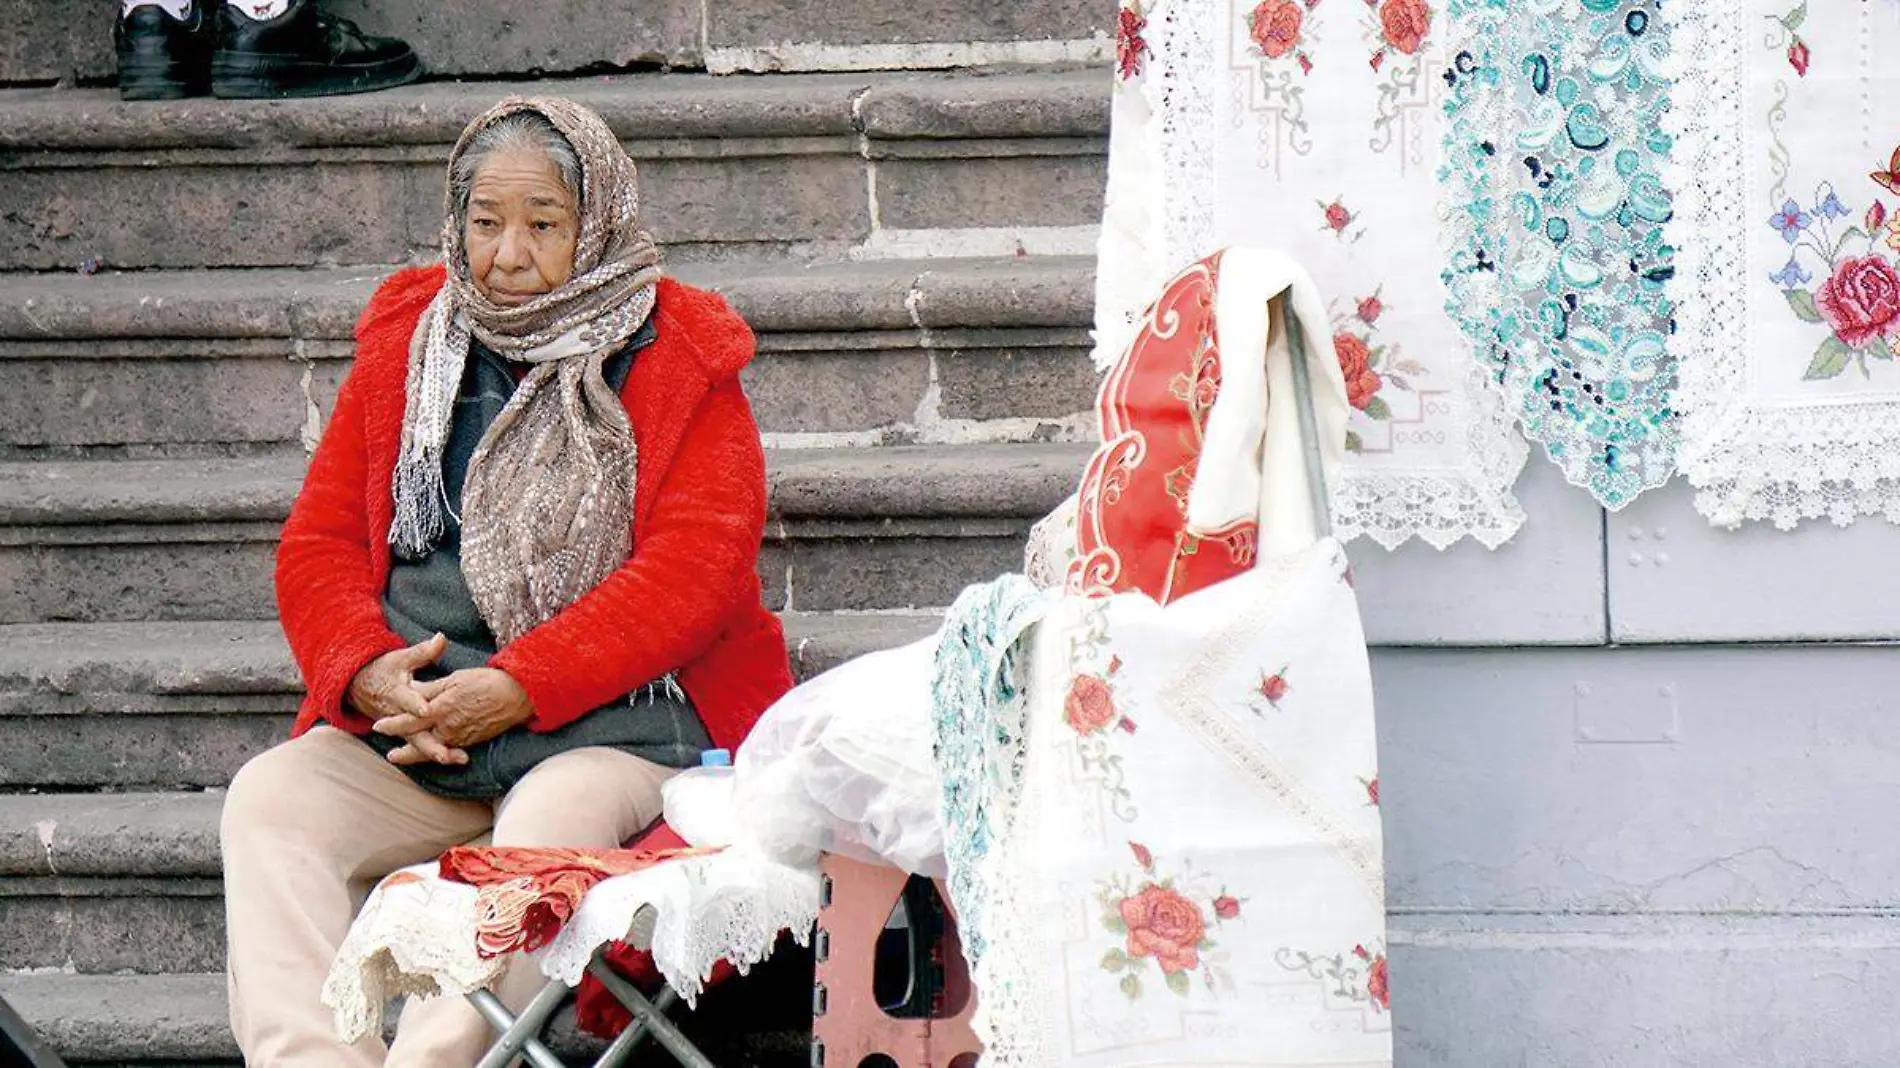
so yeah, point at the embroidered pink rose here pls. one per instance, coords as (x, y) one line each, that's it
(1090, 705)
(1355, 362)
(1130, 46)
(1862, 300)
(1372, 789)
(1142, 855)
(1274, 687)
(1226, 907)
(1337, 217)
(1275, 27)
(1370, 308)
(1876, 217)
(1166, 926)
(1405, 23)
(1376, 987)
(1798, 57)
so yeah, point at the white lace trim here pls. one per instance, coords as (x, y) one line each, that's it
(418, 938)
(1748, 460)
(1441, 507)
(691, 914)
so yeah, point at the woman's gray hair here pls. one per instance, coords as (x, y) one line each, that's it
(514, 132)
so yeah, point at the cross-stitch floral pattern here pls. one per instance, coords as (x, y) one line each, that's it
(1790, 299)
(1356, 975)
(1371, 366)
(1169, 921)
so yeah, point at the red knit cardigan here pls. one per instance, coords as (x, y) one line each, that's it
(687, 600)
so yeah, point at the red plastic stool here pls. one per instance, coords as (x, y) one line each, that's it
(849, 1027)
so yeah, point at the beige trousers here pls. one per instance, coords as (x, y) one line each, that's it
(310, 826)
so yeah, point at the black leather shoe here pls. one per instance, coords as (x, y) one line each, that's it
(303, 52)
(160, 57)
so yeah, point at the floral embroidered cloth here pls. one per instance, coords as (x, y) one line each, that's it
(1556, 209)
(1316, 127)
(525, 896)
(1191, 873)
(1787, 180)
(1161, 820)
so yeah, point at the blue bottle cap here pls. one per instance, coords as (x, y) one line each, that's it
(716, 758)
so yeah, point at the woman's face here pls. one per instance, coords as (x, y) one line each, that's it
(521, 228)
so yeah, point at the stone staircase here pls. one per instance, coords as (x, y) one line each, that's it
(178, 284)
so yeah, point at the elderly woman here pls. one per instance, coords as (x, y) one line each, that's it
(519, 581)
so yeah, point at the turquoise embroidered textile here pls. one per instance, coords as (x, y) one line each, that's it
(1556, 207)
(980, 734)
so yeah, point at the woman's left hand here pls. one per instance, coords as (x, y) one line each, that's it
(463, 709)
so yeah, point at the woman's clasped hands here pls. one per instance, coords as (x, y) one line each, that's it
(439, 719)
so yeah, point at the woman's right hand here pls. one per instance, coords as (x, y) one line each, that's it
(386, 687)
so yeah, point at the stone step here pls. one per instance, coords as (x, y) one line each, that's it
(899, 527)
(805, 165)
(761, 1020)
(491, 37)
(140, 706)
(159, 362)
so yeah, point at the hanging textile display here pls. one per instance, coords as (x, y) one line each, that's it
(1316, 127)
(1788, 222)
(1558, 268)
(1161, 800)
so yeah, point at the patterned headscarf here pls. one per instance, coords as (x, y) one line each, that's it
(547, 505)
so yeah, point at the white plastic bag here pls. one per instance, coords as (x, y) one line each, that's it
(843, 764)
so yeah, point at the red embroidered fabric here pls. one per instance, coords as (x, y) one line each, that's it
(1131, 519)
(526, 895)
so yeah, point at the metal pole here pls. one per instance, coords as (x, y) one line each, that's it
(664, 1032)
(624, 1043)
(1309, 429)
(518, 1033)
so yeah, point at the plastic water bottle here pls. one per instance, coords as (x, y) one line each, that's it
(699, 800)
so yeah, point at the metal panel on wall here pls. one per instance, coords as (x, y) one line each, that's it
(1543, 587)
(1675, 578)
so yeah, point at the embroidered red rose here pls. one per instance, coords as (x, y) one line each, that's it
(1090, 705)
(1130, 46)
(1337, 217)
(1862, 301)
(1273, 687)
(1876, 217)
(1405, 22)
(1376, 983)
(1166, 926)
(1226, 907)
(1798, 57)
(1142, 856)
(1275, 27)
(1378, 59)
(1355, 362)
(1370, 308)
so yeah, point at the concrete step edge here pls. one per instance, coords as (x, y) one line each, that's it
(668, 106)
(774, 297)
(250, 659)
(1009, 481)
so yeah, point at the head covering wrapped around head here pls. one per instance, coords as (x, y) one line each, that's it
(547, 504)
